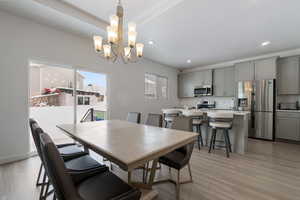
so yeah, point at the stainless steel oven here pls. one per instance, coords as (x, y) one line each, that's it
(205, 90)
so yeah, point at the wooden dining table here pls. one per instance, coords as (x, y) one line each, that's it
(129, 145)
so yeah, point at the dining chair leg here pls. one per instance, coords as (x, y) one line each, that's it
(39, 175)
(43, 186)
(178, 185)
(190, 172)
(47, 190)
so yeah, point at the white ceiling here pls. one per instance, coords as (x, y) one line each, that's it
(205, 31)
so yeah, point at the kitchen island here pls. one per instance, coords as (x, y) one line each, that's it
(238, 134)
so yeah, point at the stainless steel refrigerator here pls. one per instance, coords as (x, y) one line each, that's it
(259, 98)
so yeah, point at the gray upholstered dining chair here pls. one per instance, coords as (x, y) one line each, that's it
(179, 158)
(134, 117)
(154, 120)
(100, 185)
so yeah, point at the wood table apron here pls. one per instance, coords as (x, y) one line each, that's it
(127, 144)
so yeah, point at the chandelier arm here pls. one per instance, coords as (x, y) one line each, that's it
(124, 60)
(113, 51)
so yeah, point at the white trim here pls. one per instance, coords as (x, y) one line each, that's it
(75, 70)
(157, 10)
(281, 54)
(69, 9)
(15, 158)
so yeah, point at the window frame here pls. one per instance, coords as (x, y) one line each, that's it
(158, 87)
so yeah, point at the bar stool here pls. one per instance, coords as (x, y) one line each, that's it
(220, 121)
(169, 115)
(197, 121)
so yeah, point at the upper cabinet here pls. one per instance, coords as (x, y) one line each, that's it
(265, 69)
(256, 70)
(244, 71)
(207, 77)
(288, 74)
(224, 82)
(188, 81)
(185, 85)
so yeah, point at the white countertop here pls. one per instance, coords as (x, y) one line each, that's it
(195, 111)
(293, 111)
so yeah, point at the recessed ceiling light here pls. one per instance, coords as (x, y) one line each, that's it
(188, 61)
(266, 43)
(151, 42)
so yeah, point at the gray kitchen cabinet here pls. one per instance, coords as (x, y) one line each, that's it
(188, 81)
(185, 85)
(265, 69)
(288, 127)
(288, 74)
(198, 78)
(207, 77)
(224, 82)
(244, 71)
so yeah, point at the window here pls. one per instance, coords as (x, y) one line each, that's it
(86, 100)
(156, 87)
(150, 86)
(80, 100)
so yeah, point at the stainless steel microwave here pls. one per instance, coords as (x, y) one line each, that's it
(204, 90)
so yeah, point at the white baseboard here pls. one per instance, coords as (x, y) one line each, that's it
(11, 159)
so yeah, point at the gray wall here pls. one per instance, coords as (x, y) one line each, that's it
(22, 40)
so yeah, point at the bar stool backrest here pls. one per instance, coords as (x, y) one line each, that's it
(182, 123)
(220, 117)
(192, 113)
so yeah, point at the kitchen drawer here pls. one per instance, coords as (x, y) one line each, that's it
(285, 114)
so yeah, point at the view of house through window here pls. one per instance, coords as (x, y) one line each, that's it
(52, 97)
(156, 87)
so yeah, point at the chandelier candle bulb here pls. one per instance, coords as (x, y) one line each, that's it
(107, 50)
(97, 43)
(131, 27)
(114, 22)
(112, 35)
(132, 38)
(127, 52)
(139, 49)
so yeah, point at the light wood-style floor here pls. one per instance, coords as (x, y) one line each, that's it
(269, 171)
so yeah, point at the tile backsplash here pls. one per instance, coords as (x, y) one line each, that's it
(221, 102)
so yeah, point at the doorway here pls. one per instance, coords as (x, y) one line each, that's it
(54, 99)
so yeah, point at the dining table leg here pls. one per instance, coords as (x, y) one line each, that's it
(152, 172)
(129, 177)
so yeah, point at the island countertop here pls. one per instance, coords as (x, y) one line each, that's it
(204, 110)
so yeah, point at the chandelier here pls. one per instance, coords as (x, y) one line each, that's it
(113, 48)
